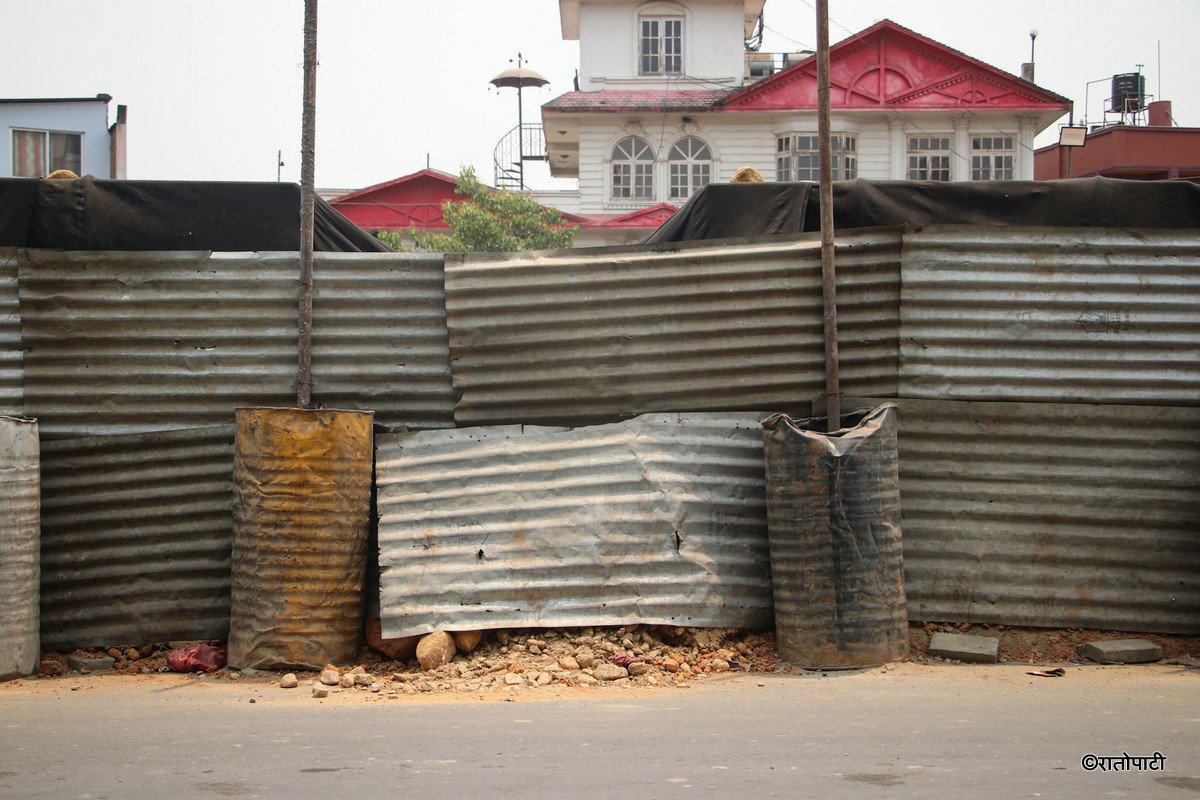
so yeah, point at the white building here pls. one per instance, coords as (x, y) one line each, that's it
(43, 135)
(669, 98)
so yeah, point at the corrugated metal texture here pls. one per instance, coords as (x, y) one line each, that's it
(1040, 314)
(1051, 515)
(572, 337)
(660, 519)
(301, 505)
(833, 516)
(379, 337)
(136, 342)
(19, 569)
(136, 537)
(12, 369)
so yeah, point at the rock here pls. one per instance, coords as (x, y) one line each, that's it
(718, 665)
(502, 637)
(435, 649)
(376, 687)
(289, 681)
(363, 679)
(585, 657)
(347, 681)
(543, 679)
(115, 652)
(531, 642)
(513, 679)
(132, 654)
(535, 650)
(1122, 651)
(330, 677)
(638, 668)
(965, 647)
(609, 672)
(569, 663)
(357, 670)
(671, 665)
(146, 650)
(320, 691)
(467, 641)
(586, 680)
(90, 663)
(401, 649)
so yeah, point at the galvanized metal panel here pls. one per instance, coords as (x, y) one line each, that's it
(660, 519)
(1051, 514)
(572, 337)
(1053, 315)
(12, 370)
(137, 531)
(135, 342)
(19, 538)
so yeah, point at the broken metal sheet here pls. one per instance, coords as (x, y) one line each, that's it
(659, 519)
(1051, 315)
(589, 336)
(19, 546)
(1051, 515)
(12, 370)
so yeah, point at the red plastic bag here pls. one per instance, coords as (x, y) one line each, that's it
(196, 658)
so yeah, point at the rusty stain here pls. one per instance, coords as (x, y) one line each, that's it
(302, 493)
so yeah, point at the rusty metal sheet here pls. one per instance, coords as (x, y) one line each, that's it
(1051, 315)
(19, 539)
(138, 342)
(574, 337)
(833, 515)
(659, 519)
(136, 537)
(1052, 515)
(12, 369)
(302, 496)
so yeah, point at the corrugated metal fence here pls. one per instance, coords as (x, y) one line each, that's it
(12, 370)
(594, 336)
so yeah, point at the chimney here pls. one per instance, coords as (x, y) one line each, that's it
(1027, 71)
(116, 146)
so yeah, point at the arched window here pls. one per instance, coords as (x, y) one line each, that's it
(633, 170)
(691, 166)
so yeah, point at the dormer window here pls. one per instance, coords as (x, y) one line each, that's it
(660, 41)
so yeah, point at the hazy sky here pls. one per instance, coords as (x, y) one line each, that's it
(213, 87)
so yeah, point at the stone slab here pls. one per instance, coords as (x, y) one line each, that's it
(97, 664)
(1122, 651)
(963, 647)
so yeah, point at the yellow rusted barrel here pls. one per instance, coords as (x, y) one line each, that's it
(302, 493)
(20, 534)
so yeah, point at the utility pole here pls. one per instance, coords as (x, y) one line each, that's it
(833, 392)
(308, 147)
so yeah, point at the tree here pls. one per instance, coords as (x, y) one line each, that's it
(489, 220)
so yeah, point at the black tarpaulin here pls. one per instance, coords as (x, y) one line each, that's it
(91, 214)
(754, 209)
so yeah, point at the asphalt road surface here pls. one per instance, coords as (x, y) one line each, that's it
(918, 731)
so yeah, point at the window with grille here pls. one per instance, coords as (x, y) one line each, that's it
(690, 161)
(633, 170)
(38, 153)
(991, 158)
(661, 46)
(929, 158)
(798, 157)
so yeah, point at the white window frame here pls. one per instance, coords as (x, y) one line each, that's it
(993, 157)
(798, 156)
(690, 166)
(48, 165)
(928, 157)
(664, 62)
(631, 170)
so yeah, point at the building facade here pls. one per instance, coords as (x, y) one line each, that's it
(669, 98)
(44, 135)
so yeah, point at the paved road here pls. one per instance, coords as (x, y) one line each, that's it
(918, 731)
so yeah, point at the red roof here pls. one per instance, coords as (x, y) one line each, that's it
(624, 100)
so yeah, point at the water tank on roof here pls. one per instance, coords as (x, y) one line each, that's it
(1128, 92)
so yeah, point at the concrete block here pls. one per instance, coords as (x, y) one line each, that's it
(97, 664)
(964, 647)
(1122, 651)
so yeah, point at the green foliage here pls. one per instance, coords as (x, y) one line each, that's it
(491, 221)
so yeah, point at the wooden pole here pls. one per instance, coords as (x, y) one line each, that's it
(308, 147)
(833, 393)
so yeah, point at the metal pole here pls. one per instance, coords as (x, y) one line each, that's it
(308, 146)
(520, 129)
(833, 393)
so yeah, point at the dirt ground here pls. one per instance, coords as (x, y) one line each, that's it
(555, 660)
